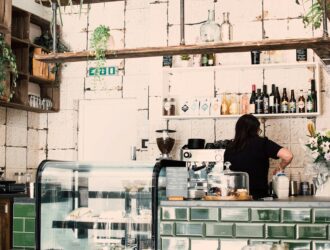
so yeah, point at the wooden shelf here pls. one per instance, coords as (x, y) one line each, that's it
(76, 2)
(320, 45)
(24, 107)
(38, 46)
(18, 41)
(286, 115)
(42, 81)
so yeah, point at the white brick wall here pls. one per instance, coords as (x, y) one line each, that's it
(27, 138)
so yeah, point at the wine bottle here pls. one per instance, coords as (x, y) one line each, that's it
(292, 103)
(259, 102)
(272, 100)
(301, 102)
(284, 102)
(252, 106)
(210, 60)
(310, 102)
(204, 60)
(277, 101)
(266, 100)
(314, 95)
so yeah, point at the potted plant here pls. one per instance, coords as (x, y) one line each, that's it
(99, 44)
(314, 15)
(7, 64)
(183, 61)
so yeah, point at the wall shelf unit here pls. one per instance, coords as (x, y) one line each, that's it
(215, 82)
(42, 85)
(319, 45)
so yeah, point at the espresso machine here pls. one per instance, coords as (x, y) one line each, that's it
(199, 163)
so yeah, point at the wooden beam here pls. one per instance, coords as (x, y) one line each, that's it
(319, 44)
(76, 2)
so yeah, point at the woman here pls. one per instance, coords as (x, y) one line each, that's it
(250, 153)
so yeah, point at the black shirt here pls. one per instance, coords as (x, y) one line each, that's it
(254, 160)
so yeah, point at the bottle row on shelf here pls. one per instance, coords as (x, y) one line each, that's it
(258, 102)
(211, 59)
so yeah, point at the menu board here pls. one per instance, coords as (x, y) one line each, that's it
(176, 182)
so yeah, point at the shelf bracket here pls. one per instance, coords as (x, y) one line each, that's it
(325, 20)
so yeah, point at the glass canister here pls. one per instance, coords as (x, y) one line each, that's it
(210, 30)
(19, 177)
(169, 106)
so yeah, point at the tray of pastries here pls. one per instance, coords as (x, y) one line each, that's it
(238, 195)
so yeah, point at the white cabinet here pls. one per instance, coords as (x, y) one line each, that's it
(186, 85)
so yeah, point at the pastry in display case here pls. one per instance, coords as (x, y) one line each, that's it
(95, 206)
(227, 184)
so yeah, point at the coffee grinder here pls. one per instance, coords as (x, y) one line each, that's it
(165, 143)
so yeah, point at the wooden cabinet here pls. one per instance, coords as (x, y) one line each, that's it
(5, 224)
(37, 88)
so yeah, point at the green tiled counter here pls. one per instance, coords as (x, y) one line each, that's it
(301, 222)
(24, 223)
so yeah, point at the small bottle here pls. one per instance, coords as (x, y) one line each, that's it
(224, 105)
(204, 60)
(259, 102)
(244, 104)
(210, 60)
(284, 102)
(266, 100)
(277, 101)
(252, 106)
(226, 28)
(310, 102)
(272, 100)
(168, 106)
(314, 95)
(292, 103)
(233, 109)
(301, 102)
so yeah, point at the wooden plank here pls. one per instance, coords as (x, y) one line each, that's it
(278, 44)
(25, 107)
(77, 2)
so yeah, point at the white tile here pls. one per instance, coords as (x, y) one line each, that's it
(104, 94)
(136, 66)
(33, 120)
(73, 21)
(2, 156)
(77, 41)
(133, 84)
(63, 155)
(203, 129)
(34, 158)
(225, 128)
(298, 130)
(3, 112)
(16, 136)
(233, 244)
(276, 29)
(43, 121)
(15, 158)
(36, 139)
(73, 70)
(183, 129)
(71, 92)
(109, 14)
(62, 120)
(136, 32)
(141, 4)
(157, 25)
(16, 118)
(278, 130)
(2, 135)
(276, 9)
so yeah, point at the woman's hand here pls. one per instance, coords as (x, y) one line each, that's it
(277, 170)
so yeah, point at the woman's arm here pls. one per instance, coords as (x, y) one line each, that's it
(286, 157)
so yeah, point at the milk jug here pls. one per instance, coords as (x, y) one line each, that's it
(281, 185)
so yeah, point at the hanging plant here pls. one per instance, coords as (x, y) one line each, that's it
(99, 41)
(7, 64)
(314, 15)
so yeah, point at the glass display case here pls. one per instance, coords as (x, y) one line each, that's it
(95, 206)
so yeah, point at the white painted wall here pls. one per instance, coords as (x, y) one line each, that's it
(27, 138)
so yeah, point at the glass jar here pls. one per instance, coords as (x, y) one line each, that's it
(210, 30)
(19, 177)
(226, 28)
(169, 106)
